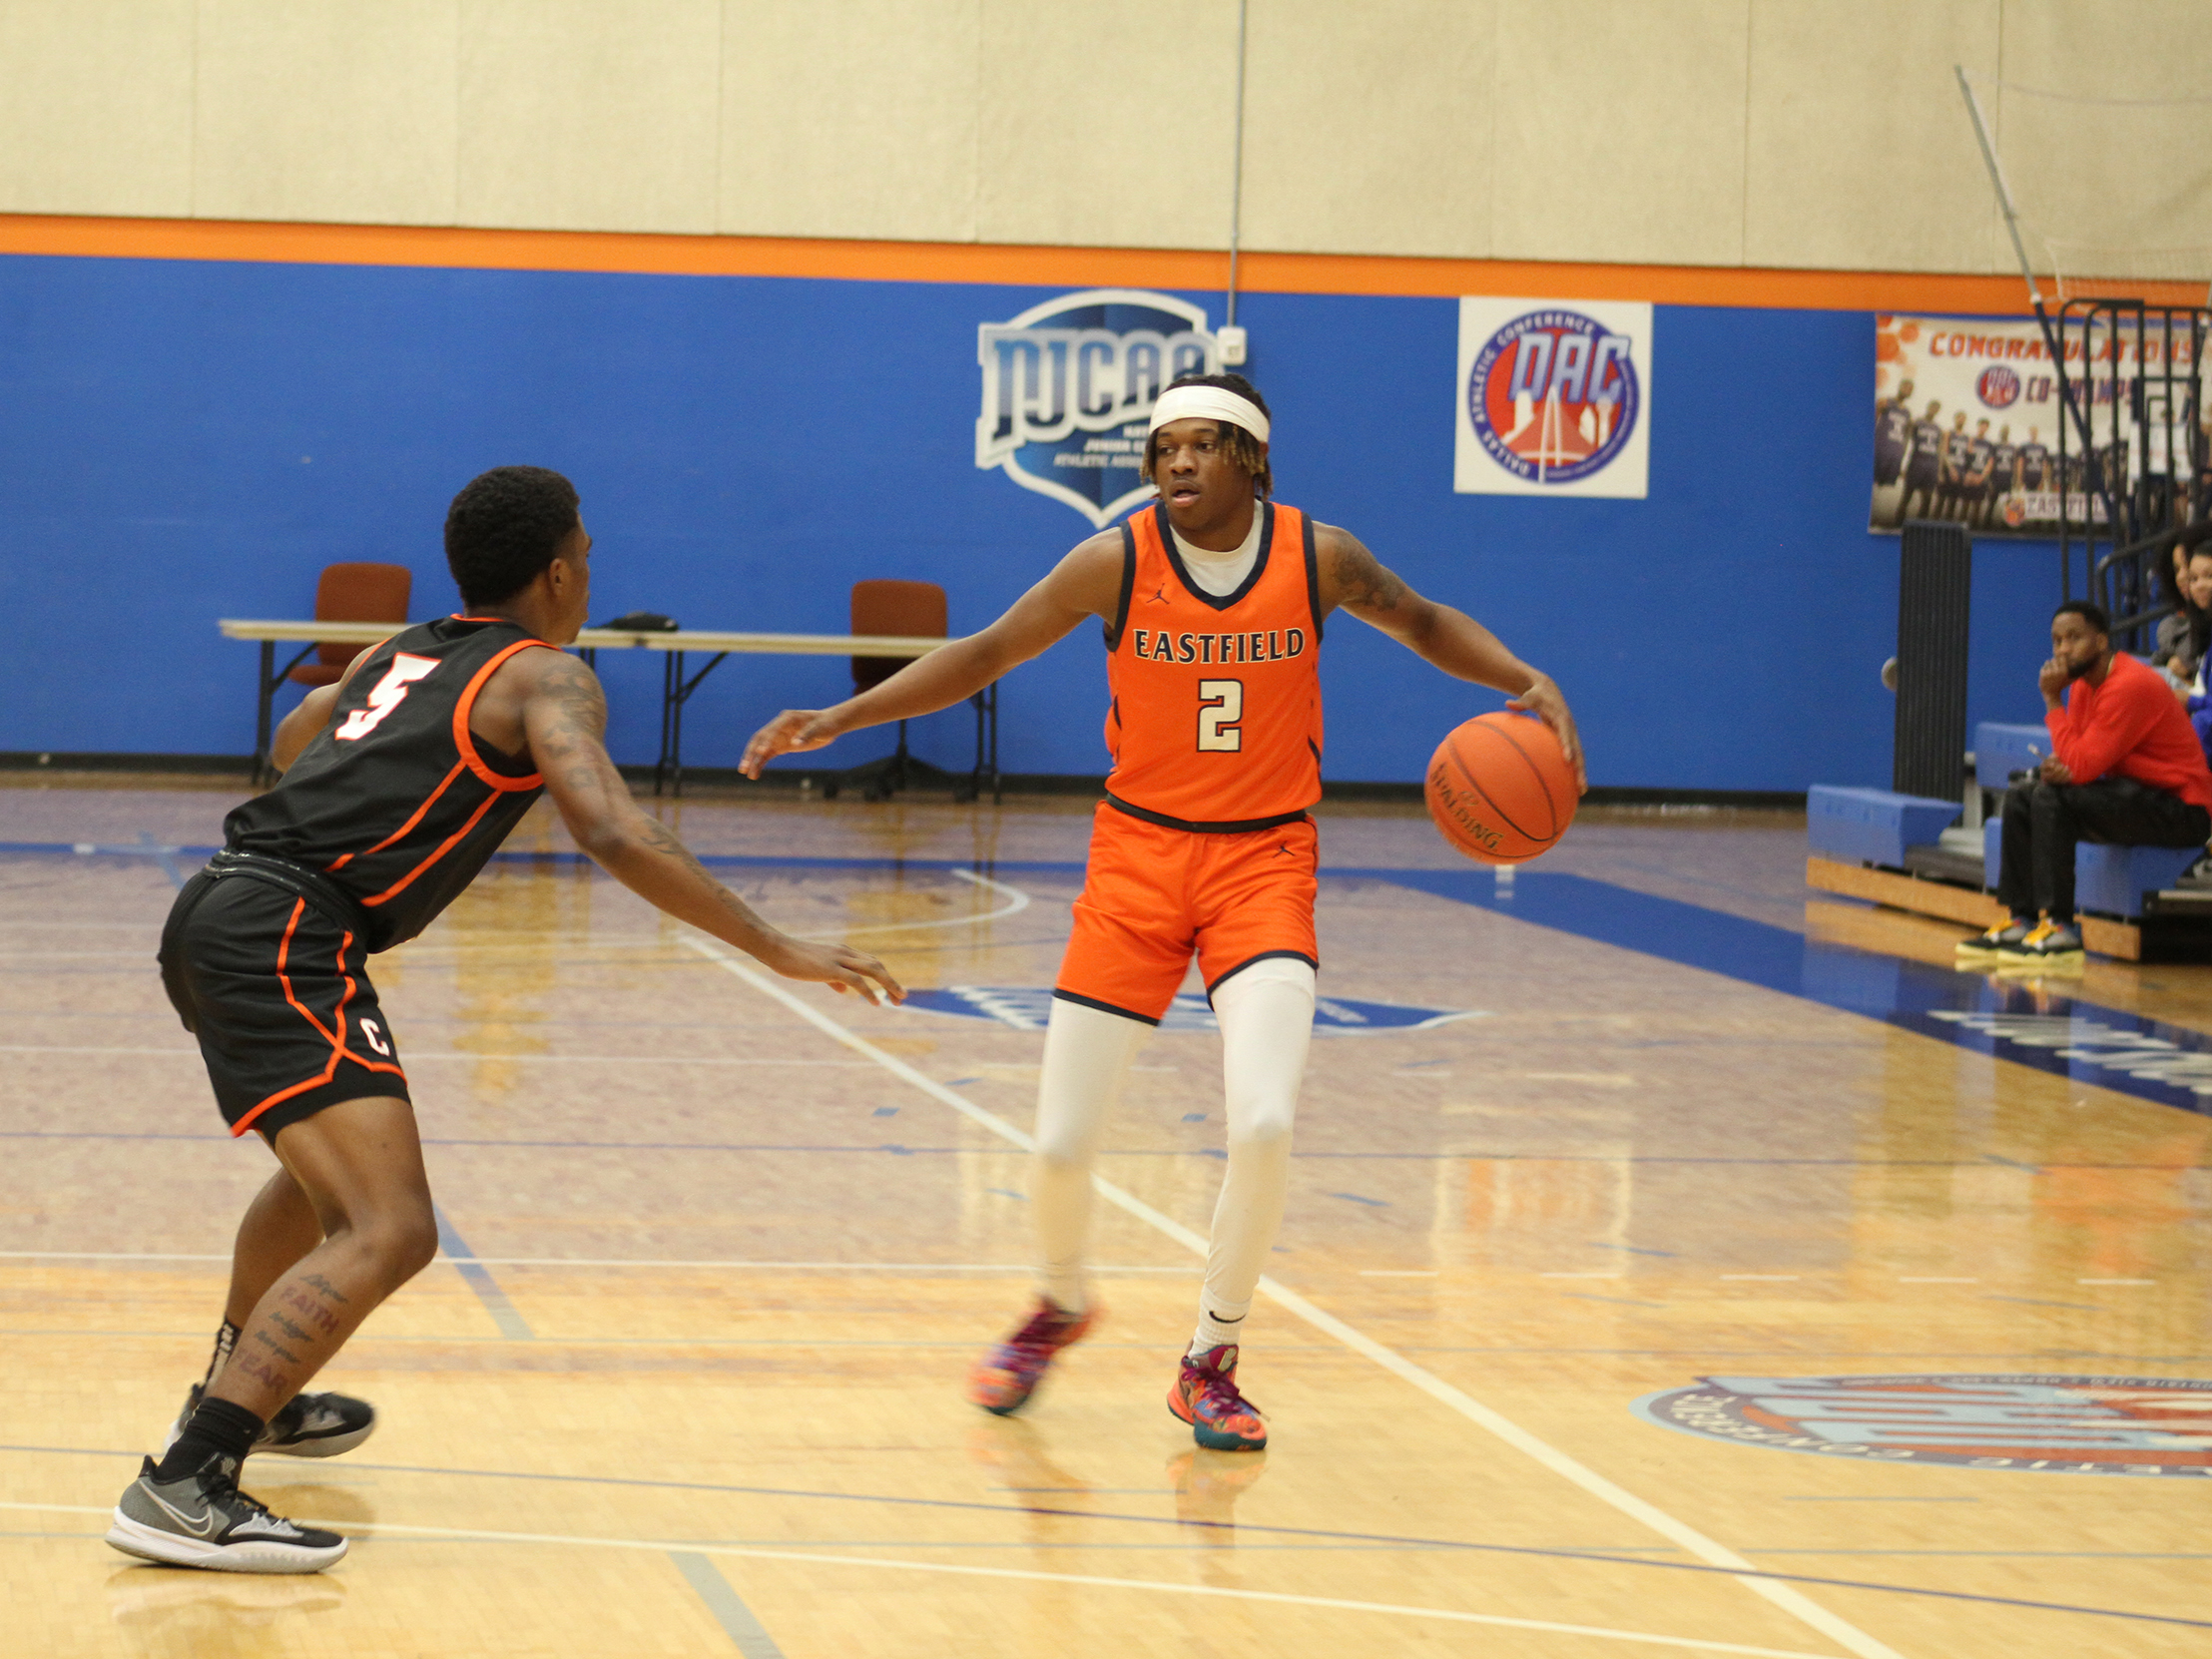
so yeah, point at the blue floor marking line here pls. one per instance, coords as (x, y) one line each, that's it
(748, 1635)
(1602, 1556)
(504, 1313)
(2080, 1041)
(754, 1148)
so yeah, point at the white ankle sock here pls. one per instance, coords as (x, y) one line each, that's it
(1213, 1333)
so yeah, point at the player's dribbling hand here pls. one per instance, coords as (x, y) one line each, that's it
(788, 733)
(1545, 701)
(839, 966)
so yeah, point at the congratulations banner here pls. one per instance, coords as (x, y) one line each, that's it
(1966, 413)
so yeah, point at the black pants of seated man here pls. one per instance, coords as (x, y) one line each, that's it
(2042, 821)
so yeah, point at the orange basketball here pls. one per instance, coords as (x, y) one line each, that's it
(1500, 788)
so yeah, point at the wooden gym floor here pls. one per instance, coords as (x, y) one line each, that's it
(685, 1379)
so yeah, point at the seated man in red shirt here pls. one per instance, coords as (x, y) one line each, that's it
(2125, 768)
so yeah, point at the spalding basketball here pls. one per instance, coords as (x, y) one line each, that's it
(1501, 789)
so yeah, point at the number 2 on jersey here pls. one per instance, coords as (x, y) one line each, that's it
(384, 697)
(1220, 707)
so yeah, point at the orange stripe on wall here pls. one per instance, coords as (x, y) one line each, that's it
(940, 262)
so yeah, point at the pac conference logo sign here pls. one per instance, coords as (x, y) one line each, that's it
(2140, 1425)
(1068, 386)
(1554, 398)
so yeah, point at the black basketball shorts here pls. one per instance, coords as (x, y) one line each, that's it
(275, 989)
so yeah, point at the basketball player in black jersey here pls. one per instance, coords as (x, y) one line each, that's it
(2004, 473)
(1974, 476)
(1950, 482)
(401, 781)
(1892, 436)
(1923, 468)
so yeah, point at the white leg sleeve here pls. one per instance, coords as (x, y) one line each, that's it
(1087, 1053)
(1267, 1019)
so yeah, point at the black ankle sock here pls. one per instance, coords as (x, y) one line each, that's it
(216, 1429)
(225, 1339)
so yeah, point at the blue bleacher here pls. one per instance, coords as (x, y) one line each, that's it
(2000, 750)
(1872, 827)
(2108, 881)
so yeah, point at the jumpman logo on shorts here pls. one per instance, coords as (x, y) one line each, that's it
(1283, 850)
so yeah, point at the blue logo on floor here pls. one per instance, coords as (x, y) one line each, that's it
(2040, 1424)
(1026, 1007)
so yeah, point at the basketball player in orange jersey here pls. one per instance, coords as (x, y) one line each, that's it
(1213, 601)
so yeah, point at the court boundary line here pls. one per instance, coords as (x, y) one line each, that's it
(1783, 1597)
(1021, 1575)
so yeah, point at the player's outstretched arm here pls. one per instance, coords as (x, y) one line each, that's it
(1355, 580)
(564, 714)
(1085, 583)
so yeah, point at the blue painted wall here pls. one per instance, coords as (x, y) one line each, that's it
(182, 442)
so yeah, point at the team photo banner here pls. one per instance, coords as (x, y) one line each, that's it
(1967, 422)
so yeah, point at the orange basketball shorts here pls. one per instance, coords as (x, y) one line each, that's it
(1153, 895)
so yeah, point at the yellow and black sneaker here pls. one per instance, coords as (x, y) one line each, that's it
(1997, 941)
(2048, 943)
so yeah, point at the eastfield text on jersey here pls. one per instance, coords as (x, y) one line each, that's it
(1157, 645)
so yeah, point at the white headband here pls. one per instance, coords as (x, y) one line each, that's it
(1208, 403)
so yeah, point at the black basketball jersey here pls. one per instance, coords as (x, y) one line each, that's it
(1927, 445)
(395, 801)
(2035, 457)
(1891, 427)
(1979, 455)
(2003, 456)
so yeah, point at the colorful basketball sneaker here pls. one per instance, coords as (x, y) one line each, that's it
(1999, 940)
(1004, 1378)
(306, 1426)
(1204, 1397)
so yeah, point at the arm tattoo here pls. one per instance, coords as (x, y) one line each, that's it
(1363, 581)
(573, 737)
(661, 839)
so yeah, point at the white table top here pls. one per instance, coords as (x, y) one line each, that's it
(609, 639)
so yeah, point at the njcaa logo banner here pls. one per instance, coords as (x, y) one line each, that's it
(1069, 384)
(1555, 397)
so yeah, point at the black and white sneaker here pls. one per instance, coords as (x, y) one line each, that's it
(309, 1425)
(203, 1520)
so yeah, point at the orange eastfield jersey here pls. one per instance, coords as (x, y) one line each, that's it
(1215, 716)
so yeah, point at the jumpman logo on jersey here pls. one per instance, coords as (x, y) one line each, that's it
(1161, 596)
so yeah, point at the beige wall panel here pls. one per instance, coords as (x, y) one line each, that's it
(326, 110)
(96, 107)
(1106, 122)
(1861, 152)
(2114, 180)
(590, 115)
(849, 117)
(1621, 131)
(1367, 128)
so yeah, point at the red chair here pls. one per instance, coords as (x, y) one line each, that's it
(351, 593)
(346, 593)
(915, 610)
